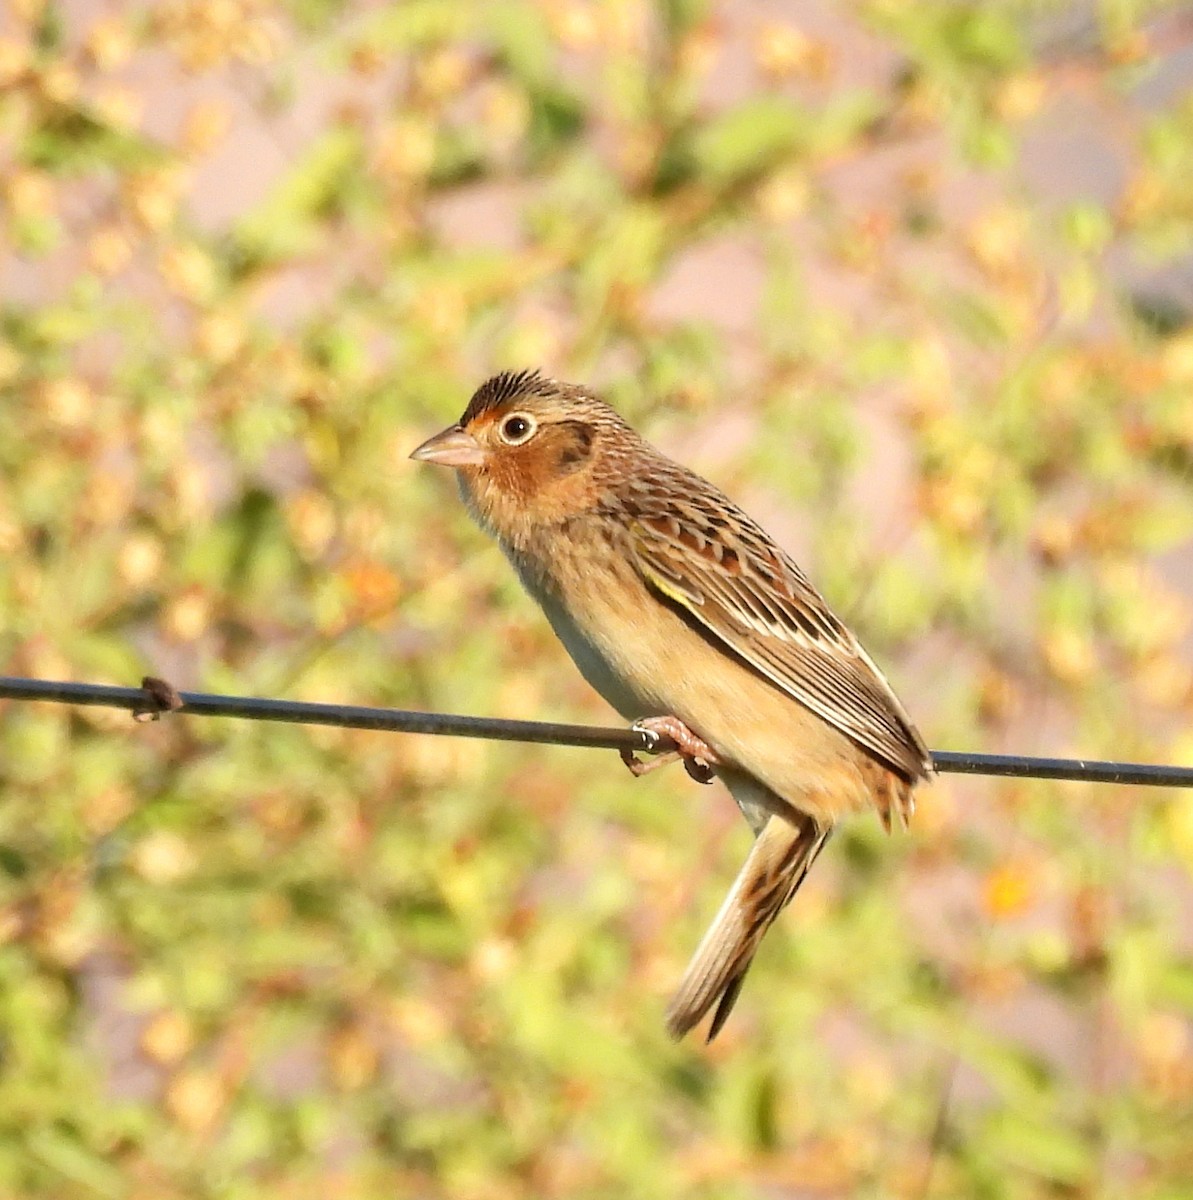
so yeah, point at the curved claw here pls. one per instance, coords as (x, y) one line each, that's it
(699, 770)
(652, 735)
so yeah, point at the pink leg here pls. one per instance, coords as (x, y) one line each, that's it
(639, 767)
(699, 758)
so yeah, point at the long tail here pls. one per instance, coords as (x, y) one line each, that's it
(782, 853)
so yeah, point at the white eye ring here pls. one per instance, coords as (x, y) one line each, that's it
(517, 428)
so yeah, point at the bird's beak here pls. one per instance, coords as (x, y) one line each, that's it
(452, 448)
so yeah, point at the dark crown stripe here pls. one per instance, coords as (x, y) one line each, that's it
(509, 385)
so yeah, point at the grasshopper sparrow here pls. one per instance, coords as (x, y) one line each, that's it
(692, 622)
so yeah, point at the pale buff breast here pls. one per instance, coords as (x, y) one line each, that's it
(646, 659)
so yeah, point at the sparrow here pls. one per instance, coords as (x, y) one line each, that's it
(695, 625)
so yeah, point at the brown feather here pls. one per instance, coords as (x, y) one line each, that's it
(777, 864)
(767, 612)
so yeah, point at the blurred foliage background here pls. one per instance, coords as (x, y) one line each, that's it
(911, 280)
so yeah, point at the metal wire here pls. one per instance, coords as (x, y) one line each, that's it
(144, 700)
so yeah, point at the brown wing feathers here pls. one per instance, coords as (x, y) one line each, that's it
(740, 587)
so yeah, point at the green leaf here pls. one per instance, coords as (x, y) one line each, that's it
(749, 139)
(285, 224)
(1045, 1148)
(71, 142)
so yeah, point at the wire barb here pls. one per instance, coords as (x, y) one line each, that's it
(156, 696)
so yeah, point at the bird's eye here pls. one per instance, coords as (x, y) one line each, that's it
(517, 429)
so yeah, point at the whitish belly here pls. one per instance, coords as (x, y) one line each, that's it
(591, 662)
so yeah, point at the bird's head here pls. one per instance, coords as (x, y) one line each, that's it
(529, 451)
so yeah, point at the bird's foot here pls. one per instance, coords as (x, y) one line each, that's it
(699, 758)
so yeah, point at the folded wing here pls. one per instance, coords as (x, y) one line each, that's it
(705, 555)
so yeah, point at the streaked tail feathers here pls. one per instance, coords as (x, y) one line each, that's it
(777, 863)
(893, 796)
